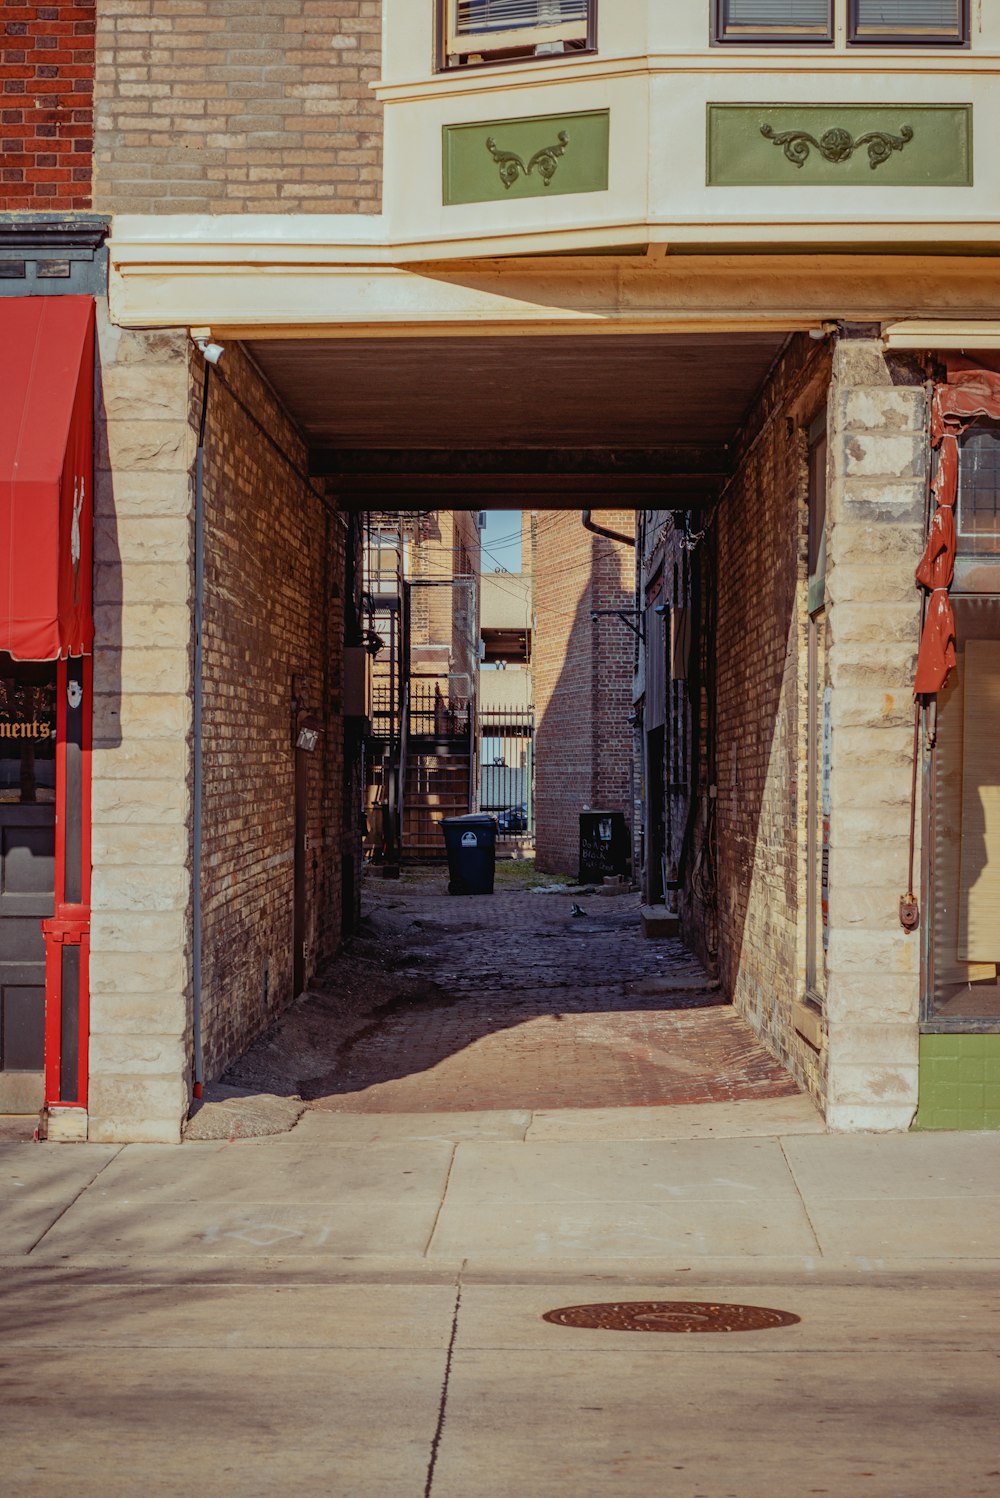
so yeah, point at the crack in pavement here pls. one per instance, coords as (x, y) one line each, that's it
(443, 1402)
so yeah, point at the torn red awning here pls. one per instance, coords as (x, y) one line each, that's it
(970, 393)
(46, 476)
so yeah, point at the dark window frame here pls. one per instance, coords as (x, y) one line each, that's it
(897, 39)
(442, 65)
(764, 38)
(793, 39)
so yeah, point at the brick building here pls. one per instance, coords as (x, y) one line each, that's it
(584, 591)
(634, 260)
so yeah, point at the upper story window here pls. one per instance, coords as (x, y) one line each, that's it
(978, 513)
(490, 31)
(875, 22)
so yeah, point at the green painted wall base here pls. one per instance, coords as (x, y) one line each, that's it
(959, 1082)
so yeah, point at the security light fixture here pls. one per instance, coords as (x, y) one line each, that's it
(210, 352)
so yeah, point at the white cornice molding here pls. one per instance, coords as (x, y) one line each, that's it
(927, 333)
(477, 82)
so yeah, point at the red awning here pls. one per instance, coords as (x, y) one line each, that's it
(46, 476)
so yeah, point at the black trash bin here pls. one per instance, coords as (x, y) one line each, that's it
(472, 853)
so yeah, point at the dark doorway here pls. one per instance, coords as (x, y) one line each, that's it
(27, 874)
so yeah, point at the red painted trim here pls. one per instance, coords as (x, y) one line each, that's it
(85, 872)
(53, 942)
(70, 924)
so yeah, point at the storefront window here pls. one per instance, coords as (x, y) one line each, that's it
(964, 914)
(27, 732)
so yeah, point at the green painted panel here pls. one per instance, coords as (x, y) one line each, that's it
(839, 145)
(959, 1082)
(534, 157)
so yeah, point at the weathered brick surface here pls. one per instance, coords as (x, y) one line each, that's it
(274, 629)
(879, 456)
(582, 672)
(753, 720)
(46, 105)
(228, 106)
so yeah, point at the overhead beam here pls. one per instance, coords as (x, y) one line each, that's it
(462, 462)
(554, 478)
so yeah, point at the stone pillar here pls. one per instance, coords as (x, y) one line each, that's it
(875, 519)
(140, 944)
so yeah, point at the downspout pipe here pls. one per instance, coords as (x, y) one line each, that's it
(198, 790)
(600, 530)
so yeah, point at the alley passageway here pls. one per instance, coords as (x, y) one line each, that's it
(512, 1001)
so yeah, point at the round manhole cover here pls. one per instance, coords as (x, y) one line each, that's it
(670, 1316)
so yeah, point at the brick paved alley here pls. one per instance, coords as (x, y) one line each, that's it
(531, 1007)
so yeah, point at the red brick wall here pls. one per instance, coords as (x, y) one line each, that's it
(583, 679)
(274, 609)
(46, 105)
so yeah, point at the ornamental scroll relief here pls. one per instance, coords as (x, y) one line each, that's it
(837, 144)
(511, 165)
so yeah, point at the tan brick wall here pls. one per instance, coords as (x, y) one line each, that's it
(755, 563)
(228, 106)
(444, 623)
(274, 611)
(583, 679)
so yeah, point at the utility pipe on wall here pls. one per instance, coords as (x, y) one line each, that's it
(600, 530)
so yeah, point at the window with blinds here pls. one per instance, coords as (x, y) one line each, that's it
(885, 22)
(888, 21)
(774, 21)
(496, 30)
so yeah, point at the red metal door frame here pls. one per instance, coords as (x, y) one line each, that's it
(67, 934)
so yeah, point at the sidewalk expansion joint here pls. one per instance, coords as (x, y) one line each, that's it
(444, 1197)
(798, 1192)
(85, 1187)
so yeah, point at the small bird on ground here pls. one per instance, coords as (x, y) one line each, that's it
(577, 910)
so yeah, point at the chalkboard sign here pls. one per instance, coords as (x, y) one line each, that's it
(604, 845)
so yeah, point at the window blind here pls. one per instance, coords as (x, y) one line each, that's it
(909, 15)
(774, 15)
(478, 16)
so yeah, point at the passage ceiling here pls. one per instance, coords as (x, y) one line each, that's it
(557, 422)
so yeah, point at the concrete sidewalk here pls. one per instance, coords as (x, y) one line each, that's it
(354, 1308)
(648, 1189)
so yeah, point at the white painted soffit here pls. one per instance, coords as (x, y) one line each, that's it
(936, 334)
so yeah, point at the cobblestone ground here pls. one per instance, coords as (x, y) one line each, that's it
(532, 1007)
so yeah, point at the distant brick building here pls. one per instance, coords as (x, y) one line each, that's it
(583, 657)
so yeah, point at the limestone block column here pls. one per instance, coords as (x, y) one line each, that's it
(141, 927)
(875, 517)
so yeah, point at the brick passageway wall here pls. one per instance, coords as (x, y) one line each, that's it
(46, 105)
(582, 672)
(274, 609)
(760, 589)
(251, 105)
(274, 631)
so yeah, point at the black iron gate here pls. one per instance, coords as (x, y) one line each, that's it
(506, 769)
